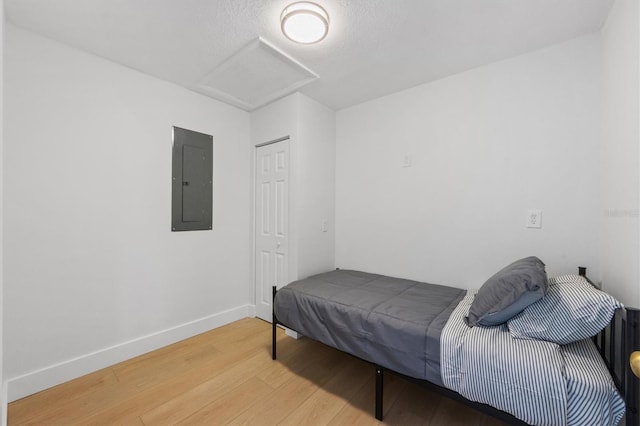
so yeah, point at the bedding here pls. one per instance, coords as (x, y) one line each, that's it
(540, 382)
(420, 330)
(592, 399)
(393, 322)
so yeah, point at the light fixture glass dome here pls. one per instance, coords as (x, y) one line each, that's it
(304, 22)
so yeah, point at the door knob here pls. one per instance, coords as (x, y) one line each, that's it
(634, 360)
(278, 244)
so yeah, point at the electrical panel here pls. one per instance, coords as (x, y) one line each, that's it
(192, 181)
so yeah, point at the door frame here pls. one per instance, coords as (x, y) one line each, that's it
(292, 237)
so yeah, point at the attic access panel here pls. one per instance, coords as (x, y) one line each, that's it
(192, 181)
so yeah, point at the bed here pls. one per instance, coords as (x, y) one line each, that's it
(422, 332)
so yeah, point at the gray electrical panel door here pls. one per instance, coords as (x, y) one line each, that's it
(192, 183)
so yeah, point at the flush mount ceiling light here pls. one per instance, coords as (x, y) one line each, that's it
(304, 22)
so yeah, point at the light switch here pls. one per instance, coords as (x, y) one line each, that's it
(324, 226)
(534, 219)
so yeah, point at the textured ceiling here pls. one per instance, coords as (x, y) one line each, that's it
(374, 47)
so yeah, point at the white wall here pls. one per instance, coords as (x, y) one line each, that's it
(317, 183)
(620, 156)
(93, 274)
(311, 128)
(3, 395)
(485, 145)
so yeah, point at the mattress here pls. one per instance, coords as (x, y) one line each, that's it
(392, 322)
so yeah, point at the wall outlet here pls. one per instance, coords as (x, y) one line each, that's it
(406, 161)
(534, 219)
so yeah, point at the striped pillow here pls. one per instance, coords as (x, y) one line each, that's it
(572, 310)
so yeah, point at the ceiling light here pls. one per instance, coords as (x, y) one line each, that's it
(304, 22)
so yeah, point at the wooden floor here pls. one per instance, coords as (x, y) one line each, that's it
(227, 377)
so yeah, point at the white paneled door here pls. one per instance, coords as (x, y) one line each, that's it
(272, 222)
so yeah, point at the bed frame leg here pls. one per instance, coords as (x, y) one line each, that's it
(379, 391)
(274, 324)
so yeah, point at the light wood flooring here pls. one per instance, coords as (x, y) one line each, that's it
(226, 377)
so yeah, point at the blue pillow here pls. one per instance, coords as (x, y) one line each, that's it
(572, 310)
(508, 292)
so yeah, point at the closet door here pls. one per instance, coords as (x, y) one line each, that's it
(272, 222)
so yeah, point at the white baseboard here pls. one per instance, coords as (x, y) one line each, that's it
(36, 381)
(292, 334)
(251, 311)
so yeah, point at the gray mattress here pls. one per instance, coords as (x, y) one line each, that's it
(391, 322)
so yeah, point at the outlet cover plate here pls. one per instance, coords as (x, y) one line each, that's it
(534, 218)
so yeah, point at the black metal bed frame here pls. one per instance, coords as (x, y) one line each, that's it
(615, 344)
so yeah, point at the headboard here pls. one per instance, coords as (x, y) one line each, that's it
(616, 343)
